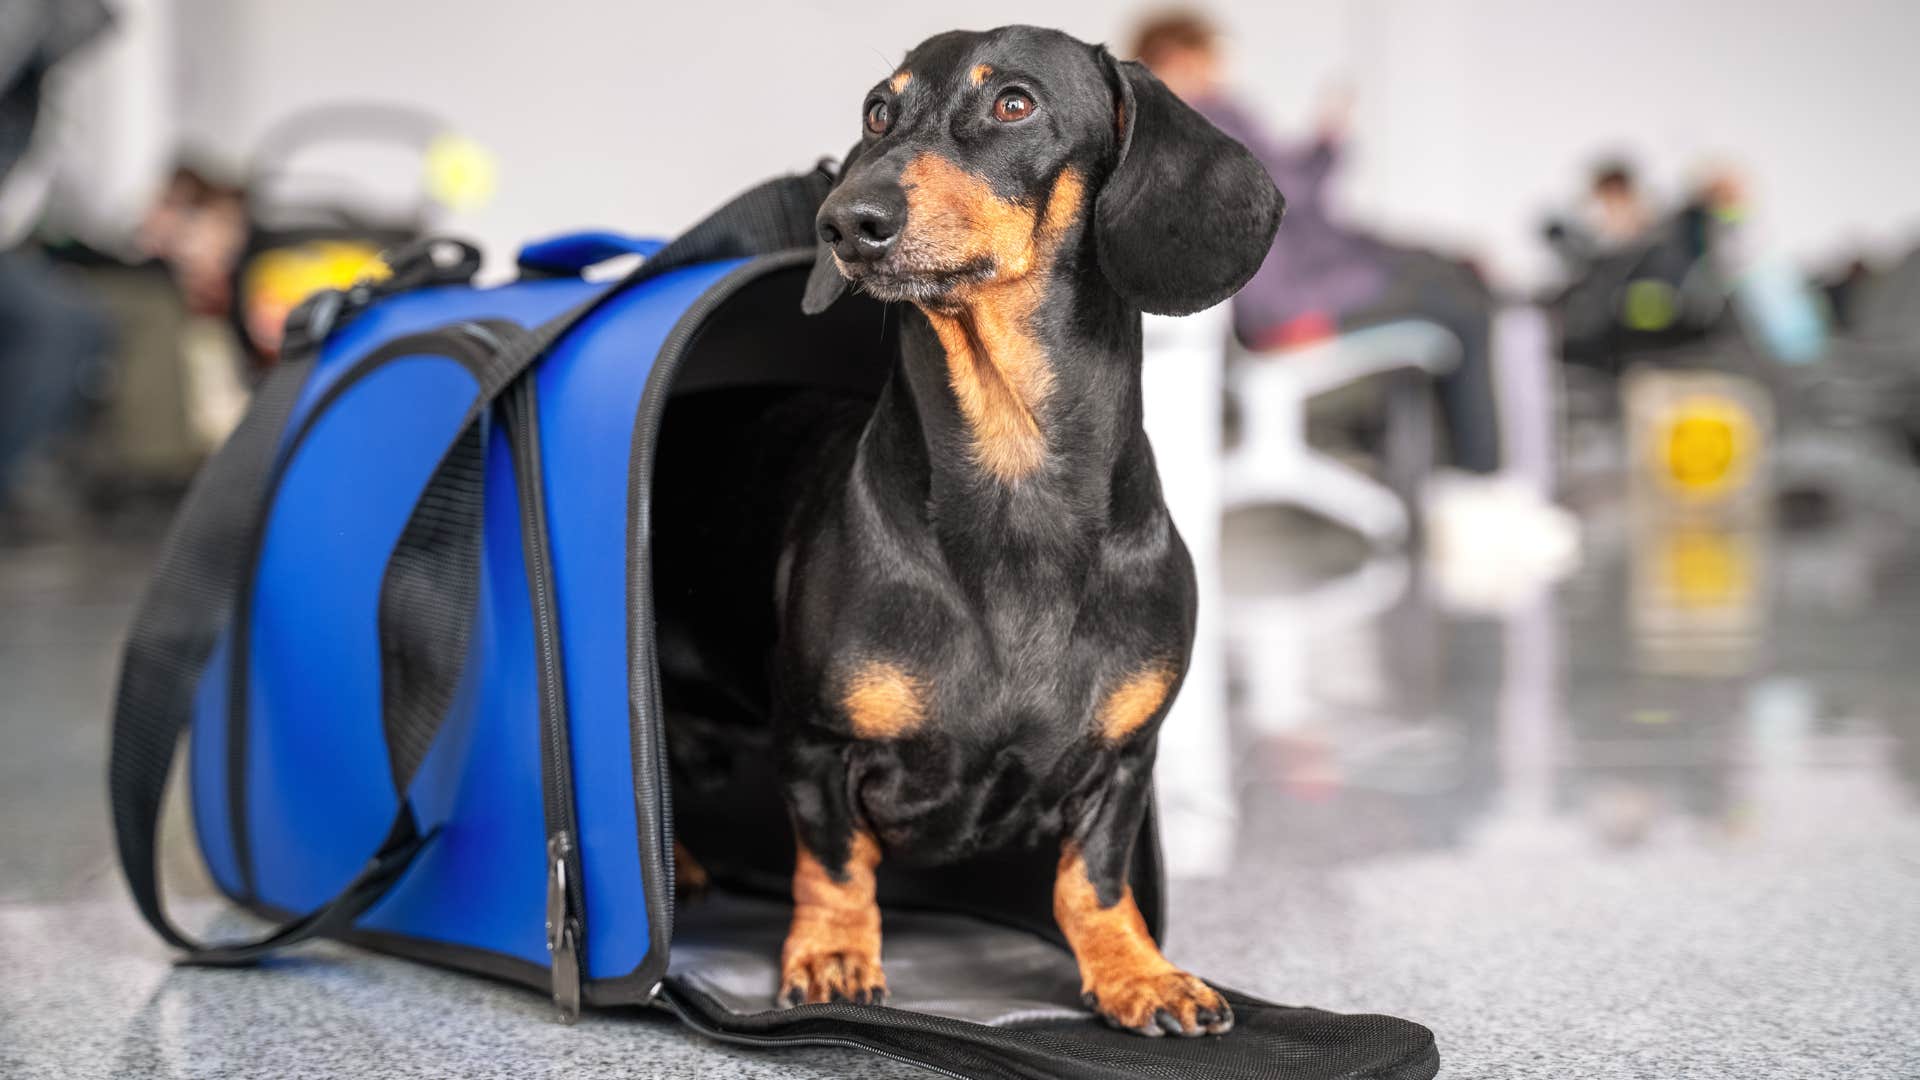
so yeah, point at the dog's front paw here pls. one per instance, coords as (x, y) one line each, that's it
(814, 978)
(1169, 1002)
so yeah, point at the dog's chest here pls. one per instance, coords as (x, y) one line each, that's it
(1013, 727)
(939, 796)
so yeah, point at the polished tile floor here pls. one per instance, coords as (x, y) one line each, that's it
(1657, 821)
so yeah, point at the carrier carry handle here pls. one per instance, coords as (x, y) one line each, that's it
(570, 254)
(427, 594)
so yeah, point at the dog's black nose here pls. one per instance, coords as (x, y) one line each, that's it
(861, 226)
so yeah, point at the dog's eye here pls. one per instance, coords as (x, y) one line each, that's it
(1012, 106)
(879, 117)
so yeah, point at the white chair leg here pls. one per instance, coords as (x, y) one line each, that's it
(1348, 497)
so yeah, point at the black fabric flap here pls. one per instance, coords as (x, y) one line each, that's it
(978, 1000)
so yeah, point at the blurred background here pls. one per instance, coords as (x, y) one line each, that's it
(1554, 487)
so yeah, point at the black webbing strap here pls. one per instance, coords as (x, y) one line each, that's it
(176, 626)
(425, 611)
(432, 581)
(427, 595)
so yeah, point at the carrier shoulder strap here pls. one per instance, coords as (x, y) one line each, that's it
(175, 629)
(427, 595)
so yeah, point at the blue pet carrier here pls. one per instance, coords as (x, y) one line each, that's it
(406, 615)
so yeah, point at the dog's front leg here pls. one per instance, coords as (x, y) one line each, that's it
(1123, 976)
(833, 945)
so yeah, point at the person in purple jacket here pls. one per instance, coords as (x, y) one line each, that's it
(1322, 276)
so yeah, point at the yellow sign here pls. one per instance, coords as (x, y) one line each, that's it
(1705, 446)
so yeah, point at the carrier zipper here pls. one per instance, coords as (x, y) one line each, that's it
(566, 890)
(651, 785)
(563, 935)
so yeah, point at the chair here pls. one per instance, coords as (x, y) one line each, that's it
(1274, 463)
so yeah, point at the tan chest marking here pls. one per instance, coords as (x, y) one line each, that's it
(1134, 702)
(884, 702)
(999, 376)
(999, 373)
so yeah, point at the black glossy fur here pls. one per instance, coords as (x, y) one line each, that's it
(872, 533)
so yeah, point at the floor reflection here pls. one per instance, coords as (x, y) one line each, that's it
(1527, 825)
(1668, 693)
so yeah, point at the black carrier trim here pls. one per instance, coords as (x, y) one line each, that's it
(653, 801)
(470, 343)
(455, 342)
(470, 959)
(566, 890)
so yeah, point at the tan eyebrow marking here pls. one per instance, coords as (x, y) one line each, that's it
(898, 84)
(979, 73)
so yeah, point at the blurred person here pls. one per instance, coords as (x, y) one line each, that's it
(1323, 276)
(1618, 213)
(35, 35)
(1613, 217)
(1643, 279)
(52, 341)
(1637, 278)
(1777, 304)
(197, 227)
(51, 337)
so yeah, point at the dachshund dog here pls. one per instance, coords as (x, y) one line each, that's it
(981, 610)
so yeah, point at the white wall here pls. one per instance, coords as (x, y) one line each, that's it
(1482, 113)
(1475, 116)
(637, 115)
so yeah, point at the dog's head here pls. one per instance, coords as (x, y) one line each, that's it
(986, 153)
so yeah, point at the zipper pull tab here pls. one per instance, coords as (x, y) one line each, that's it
(563, 933)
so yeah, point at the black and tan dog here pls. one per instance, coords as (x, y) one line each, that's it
(981, 610)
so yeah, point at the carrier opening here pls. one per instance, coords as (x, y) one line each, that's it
(974, 940)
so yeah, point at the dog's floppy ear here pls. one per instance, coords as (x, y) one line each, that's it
(824, 284)
(1187, 214)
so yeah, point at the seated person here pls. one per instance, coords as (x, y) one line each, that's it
(50, 335)
(1641, 281)
(1322, 276)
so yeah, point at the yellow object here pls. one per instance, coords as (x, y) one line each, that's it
(289, 275)
(1706, 569)
(275, 281)
(1706, 446)
(1650, 305)
(460, 172)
